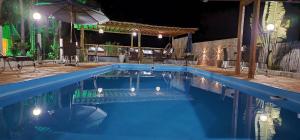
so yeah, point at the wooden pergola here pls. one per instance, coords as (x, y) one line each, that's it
(254, 32)
(133, 29)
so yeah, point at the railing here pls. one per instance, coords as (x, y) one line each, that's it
(97, 50)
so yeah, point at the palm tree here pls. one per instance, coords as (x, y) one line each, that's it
(274, 13)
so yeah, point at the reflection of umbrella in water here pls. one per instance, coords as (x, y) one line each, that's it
(79, 117)
(72, 12)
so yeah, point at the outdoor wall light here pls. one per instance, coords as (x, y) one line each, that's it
(157, 89)
(101, 31)
(270, 27)
(160, 36)
(263, 117)
(134, 34)
(36, 111)
(202, 79)
(36, 16)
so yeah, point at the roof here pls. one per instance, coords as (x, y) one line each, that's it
(145, 29)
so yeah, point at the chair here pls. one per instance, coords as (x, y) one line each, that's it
(18, 59)
(70, 52)
(134, 55)
(158, 57)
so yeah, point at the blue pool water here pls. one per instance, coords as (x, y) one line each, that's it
(149, 105)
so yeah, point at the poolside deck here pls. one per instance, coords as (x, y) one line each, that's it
(286, 83)
(28, 73)
(44, 70)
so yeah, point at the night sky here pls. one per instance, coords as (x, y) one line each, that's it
(215, 20)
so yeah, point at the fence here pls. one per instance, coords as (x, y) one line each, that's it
(284, 56)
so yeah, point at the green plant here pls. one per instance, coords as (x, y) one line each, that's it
(274, 13)
(31, 53)
(111, 48)
(54, 51)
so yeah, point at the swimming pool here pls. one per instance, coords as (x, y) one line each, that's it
(134, 102)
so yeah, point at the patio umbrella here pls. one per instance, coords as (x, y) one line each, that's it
(71, 12)
(189, 45)
(78, 117)
(189, 48)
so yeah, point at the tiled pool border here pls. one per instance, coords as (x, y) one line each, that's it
(11, 93)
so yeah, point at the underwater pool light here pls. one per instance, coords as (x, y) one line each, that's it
(37, 111)
(132, 89)
(100, 90)
(157, 89)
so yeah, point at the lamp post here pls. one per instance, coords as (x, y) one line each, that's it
(270, 29)
(37, 17)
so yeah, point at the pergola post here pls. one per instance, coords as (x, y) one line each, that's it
(254, 33)
(131, 44)
(139, 46)
(83, 54)
(240, 37)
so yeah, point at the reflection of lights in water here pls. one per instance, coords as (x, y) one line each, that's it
(202, 79)
(36, 111)
(157, 89)
(163, 74)
(132, 89)
(132, 94)
(50, 112)
(170, 75)
(263, 117)
(100, 95)
(146, 73)
(298, 115)
(100, 90)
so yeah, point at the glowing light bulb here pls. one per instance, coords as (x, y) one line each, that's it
(270, 27)
(132, 89)
(263, 117)
(157, 89)
(160, 36)
(134, 34)
(101, 31)
(37, 16)
(36, 111)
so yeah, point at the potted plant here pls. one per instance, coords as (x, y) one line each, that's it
(122, 56)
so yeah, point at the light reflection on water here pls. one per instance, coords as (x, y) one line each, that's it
(105, 106)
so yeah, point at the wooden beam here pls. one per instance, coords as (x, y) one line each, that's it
(131, 44)
(139, 45)
(240, 38)
(82, 49)
(247, 2)
(254, 34)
